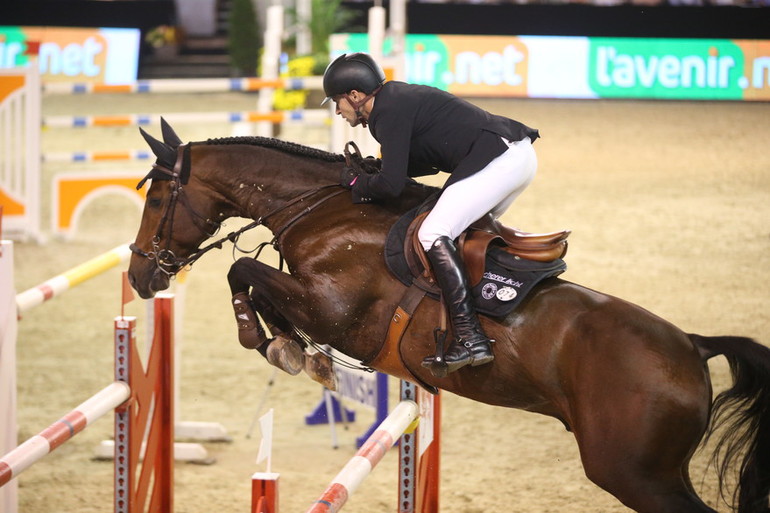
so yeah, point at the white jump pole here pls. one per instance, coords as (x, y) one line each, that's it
(367, 457)
(304, 13)
(8, 329)
(21, 458)
(270, 58)
(377, 17)
(341, 131)
(397, 33)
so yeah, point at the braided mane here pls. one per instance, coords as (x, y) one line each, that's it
(284, 146)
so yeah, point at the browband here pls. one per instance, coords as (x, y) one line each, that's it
(181, 169)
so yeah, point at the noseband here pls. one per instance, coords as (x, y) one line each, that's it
(165, 259)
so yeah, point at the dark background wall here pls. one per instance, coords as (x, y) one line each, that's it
(433, 18)
(590, 20)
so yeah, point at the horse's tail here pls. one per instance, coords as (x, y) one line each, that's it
(742, 416)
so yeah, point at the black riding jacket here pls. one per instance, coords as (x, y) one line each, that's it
(423, 130)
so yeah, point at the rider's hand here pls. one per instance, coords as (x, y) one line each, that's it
(348, 177)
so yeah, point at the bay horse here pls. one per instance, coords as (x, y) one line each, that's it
(634, 389)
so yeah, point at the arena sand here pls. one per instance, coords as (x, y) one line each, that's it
(669, 205)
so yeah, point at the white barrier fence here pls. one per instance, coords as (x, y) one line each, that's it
(20, 152)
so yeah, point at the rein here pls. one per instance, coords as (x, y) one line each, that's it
(165, 259)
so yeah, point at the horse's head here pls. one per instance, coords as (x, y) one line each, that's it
(175, 220)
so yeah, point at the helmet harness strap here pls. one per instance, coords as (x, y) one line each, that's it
(357, 105)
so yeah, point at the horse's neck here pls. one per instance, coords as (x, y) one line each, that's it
(258, 182)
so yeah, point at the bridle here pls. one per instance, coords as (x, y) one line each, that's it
(168, 263)
(165, 259)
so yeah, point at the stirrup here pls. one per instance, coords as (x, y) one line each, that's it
(437, 364)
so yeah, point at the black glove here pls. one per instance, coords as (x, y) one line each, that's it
(347, 177)
(358, 187)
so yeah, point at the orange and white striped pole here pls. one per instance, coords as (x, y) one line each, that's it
(401, 419)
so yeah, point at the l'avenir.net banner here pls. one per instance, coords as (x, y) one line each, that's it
(106, 55)
(583, 67)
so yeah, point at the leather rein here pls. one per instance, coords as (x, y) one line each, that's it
(165, 259)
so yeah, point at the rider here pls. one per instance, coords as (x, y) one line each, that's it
(423, 130)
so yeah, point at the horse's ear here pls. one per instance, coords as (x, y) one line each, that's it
(164, 152)
(169, 136)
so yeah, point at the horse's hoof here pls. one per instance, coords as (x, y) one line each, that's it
(286, 354)
(320, 369)
(250, 332)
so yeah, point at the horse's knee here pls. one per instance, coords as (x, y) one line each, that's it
(237, 275)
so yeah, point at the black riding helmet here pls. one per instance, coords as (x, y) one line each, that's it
(352, 71)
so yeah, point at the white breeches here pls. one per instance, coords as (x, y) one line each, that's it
(491, 190)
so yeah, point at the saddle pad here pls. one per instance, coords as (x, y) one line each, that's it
(507, 280)
(394, 249)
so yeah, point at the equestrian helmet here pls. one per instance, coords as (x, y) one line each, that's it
(352, 71)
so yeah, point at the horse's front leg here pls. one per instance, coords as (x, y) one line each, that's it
(274, 292)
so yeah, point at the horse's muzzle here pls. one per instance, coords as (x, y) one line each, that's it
(147, 288)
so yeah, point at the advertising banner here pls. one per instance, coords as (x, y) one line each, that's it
(105, 55)
(583, 67)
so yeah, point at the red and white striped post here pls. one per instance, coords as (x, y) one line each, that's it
(148, 417)
(419, 453)
(21, 458)
(264, 492)
(367, 457)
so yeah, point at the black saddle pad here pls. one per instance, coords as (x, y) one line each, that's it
(394, 248)
(506, 281)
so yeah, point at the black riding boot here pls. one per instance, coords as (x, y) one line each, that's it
(472, 346)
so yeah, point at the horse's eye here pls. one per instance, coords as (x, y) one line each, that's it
(154, 202)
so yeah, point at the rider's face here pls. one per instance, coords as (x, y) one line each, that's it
(344, 107)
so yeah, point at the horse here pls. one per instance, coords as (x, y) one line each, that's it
(634, 389)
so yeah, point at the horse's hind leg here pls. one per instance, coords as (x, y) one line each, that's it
(644, 465)
(645, 493)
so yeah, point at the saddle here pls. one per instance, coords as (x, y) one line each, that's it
(503, 265)
(474, 245)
